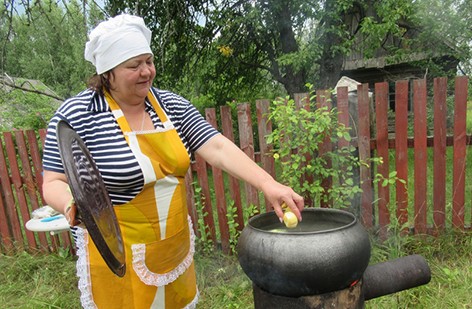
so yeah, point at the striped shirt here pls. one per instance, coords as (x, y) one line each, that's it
(90, 116)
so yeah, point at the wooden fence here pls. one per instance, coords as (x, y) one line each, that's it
(21, 178)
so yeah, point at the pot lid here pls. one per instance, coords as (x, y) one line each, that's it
(91, 198)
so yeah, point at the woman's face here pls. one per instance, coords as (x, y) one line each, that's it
(130, 81)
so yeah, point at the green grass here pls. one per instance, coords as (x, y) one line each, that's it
(49, 281)
(450, 260)
(38, 281)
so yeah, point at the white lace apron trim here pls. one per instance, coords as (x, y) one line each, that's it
(151, 278)
(83, 271)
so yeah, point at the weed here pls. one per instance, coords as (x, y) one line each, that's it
(231, 215)
(204, 241)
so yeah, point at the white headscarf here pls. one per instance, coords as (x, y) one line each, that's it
(117, 40)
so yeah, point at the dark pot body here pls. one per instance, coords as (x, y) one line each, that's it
(328, 251)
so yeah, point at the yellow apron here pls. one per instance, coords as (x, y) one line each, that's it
(156, 230)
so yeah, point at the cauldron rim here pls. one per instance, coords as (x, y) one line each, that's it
(258, 217)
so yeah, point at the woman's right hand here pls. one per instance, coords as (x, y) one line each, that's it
(71, 214)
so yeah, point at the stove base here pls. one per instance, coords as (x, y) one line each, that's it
(350, 298)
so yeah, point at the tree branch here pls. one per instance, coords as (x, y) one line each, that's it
(12, 85)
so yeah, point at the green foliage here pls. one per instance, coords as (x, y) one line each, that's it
(42, 44)
(23, 110)
(231, 215)
(469, 117)
(204, 241)
(215, 52)
(306, 144)
(298, 138)
(448, 20)
(46, 43)
(225, 50)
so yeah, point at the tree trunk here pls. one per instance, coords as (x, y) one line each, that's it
(331, 61)
(292, 79)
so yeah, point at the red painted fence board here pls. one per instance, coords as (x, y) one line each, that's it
(11, 190)
(7, 238)
(246, 140)
(205, 197)
(343, 112)
(323, 100)
(364, 155)
(460, 152)
(219, 187)
(234, 187)
(439, 185)
(401, 150)
(421, 155)
(31, 187)
(381, 120)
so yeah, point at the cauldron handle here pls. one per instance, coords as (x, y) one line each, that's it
(395, 275)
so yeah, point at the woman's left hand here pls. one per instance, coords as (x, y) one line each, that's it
(277, 194)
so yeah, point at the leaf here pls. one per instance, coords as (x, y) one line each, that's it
(347, 136)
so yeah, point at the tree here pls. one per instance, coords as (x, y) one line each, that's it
(21, 109)
(448, 20)
(41, 42)
(46, 42)
(242, 44)
(215, 51)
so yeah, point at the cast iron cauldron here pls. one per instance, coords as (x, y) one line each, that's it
(328, 251)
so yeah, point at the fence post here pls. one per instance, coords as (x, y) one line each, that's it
(439, 149)
(343, 112)
(421, 154)
(205, 197)
(247, 146)
(234, 188)
(7, 186)
(364, 154)
(220, 198)
(381, 120)
(6, 236)
(401, 150)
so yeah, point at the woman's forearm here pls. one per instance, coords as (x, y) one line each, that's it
(56, 191)
(224, 154)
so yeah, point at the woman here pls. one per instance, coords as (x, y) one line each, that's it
(141, 139)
